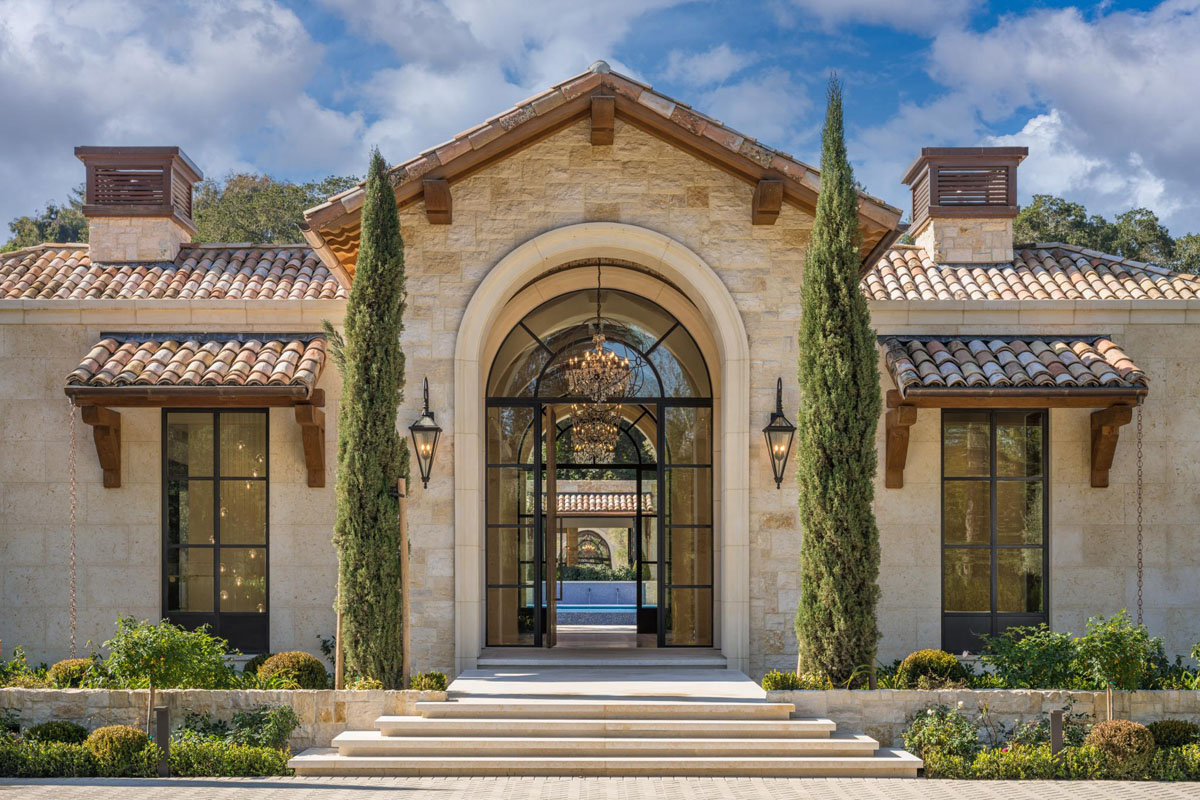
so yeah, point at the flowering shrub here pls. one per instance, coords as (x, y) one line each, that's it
(944, 729)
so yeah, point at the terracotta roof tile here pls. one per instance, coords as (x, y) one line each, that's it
(241, 360)
(603, 502)
(1037, 272)
(997, 362)
(56, 272)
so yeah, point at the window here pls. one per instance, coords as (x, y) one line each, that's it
(215, 523)
(994, 524)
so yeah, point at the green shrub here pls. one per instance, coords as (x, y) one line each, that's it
(775, 681)
(202, 724)
(199, 758)
(363, 684)
(1031, 658)
(1127, 746)
(940, 764)
(251, 666)
(27, 680)
(69, 673)
(1174, 732)
(10, 722)
(1037, 731)
(264, 726)
(930, 669)
(305, 669)
(1176, 764)
(598, 572)
(1020, 762)
(944, 729)
(432, 681)
(1115, 651)
(26, 758)
(57, 731)
(118, 750)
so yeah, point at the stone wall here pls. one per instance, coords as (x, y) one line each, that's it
(968, 240)
(135, 238)
(323, 713)
(884, 714)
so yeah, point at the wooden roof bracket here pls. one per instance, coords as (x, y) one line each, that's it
(767, 201)
(1106, 428)
(604, 113)
(311, 420)
(438, 204)
(898, 421)
(106, 432)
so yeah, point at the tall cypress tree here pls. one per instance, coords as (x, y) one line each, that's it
(835, 437)
(371, 454)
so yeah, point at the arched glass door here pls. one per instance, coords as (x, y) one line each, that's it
(658, 481)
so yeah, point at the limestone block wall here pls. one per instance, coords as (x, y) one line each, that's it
(135, 238)
(119, 531)
(1092, 532)
(967, 240)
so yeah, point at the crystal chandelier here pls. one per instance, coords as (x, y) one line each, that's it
(594, 431)
(600, 373)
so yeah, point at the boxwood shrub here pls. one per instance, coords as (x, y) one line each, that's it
(1174, 732)
(57, 731)
(305, 669)
(27, 758)
(69, 673)
(120, 751)
(432, 681)
(930, 669)
(197, 758)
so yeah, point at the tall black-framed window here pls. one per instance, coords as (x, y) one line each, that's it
(995, 564)
(215, 523)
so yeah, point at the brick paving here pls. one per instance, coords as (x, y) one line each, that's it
(585, 789)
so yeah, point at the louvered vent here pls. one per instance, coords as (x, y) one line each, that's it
(964, 182)
(138, 182)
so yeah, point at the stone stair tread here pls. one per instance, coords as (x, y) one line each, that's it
(602, 708)
(550, 726)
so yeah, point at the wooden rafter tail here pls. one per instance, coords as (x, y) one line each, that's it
(1106, 429)
(767, 201)
(604, 113)
(312, 432)
(438, 204)
(898, 422)
(106, 432)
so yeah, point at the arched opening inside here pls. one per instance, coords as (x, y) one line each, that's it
(653, 480)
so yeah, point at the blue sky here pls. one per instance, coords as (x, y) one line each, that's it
(1106, 96)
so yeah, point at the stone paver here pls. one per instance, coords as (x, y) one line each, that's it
(586, 789)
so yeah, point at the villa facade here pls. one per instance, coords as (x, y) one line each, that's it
(172, 405)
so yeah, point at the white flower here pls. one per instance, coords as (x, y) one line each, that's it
(930, 712)
(960, 703)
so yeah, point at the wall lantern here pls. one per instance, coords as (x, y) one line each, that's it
(425, 434)
(779, 433)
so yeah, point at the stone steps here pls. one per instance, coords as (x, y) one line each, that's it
(495, 707)
(613, 728)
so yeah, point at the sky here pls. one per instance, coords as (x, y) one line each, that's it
(1106, 96)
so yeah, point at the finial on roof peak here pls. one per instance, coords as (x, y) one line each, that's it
(600, 66)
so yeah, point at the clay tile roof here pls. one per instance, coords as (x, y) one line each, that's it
(203, 272)
(1037, 272)
(603, 502)
(990, 362)
(202, 360)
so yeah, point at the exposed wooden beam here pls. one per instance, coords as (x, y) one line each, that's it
(1106, 428)
(898, 421)
(1011, 397)
(312, 429)
(194, 396)
(437, 200)
(766, 202)
(106, 432)
(604, 112)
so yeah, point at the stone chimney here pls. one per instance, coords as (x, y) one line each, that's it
(963, 202)
(138, 202)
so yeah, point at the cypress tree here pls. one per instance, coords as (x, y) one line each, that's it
(835, 437)
(372, 455)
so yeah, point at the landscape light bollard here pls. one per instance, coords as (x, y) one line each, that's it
(1056, 730)
(162, 737)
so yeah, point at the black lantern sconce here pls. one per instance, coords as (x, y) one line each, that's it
(779, 433)
(425, 435)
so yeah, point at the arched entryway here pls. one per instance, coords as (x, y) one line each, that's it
(678, 280)
(655, 479)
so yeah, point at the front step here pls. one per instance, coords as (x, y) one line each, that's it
(373, 743)
(523, 708)
(885, 763)
(614, 728)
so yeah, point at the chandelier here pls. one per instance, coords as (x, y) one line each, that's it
(594, 431)
(600, 373)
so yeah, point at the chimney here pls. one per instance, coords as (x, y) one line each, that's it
(138, 202)
(963, 202)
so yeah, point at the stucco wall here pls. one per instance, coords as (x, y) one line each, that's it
(118, 531)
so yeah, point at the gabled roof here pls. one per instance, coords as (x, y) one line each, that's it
(332, 227)
(1051, 271)
(199, 272)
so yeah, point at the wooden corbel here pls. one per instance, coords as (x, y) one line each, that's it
(604, 110)
(898, 422)
(1106, 427)
(106, 431)
(437, 201)
(312, 429)
(767, 202)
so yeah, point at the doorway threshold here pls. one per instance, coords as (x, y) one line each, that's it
(680, 658)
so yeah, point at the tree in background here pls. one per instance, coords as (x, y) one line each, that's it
(835, 437)
(257, 208)
(372, 456)
(55, 223)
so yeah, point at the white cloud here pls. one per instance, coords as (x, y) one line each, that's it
(917, 16)
(770, 106)
(716, 65)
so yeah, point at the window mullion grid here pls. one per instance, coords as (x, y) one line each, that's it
(993, 492)
(216, 472)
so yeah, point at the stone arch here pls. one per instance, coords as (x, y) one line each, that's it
(686, 275)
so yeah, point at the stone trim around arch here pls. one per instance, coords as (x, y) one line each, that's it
(697, 281)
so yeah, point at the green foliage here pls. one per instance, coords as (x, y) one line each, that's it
(10, 722)
(1176, 764)
(1019, 762)
(304, 669)
(244, 207)
(251, 666)
(18, 674)
(1128, 747)
(27, 680)
(597, 572)
(264, 726)
(1037, 731)
(55, 223)
(835, 437)
(432, 681)
(930, 669)
(28, 758)
(69, 673)
(197, 758)
(1174, 732)
(1114, 651)
(372, 456)
(57, 730)
(118, 750)
(165, 656)
(1031, 657)
(944, 729)
(775, 681)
